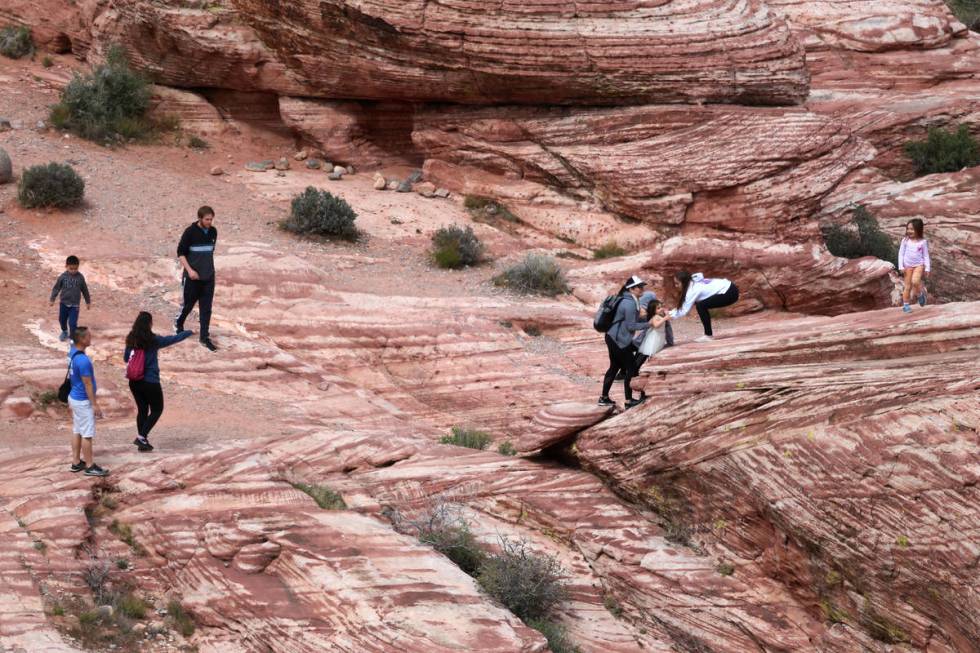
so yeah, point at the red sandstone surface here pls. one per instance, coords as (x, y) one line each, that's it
(803, 483)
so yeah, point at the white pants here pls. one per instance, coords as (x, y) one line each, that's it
(83, 417)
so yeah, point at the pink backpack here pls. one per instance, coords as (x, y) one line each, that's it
(136, 367)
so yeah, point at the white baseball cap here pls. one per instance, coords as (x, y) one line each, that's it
(634, 282)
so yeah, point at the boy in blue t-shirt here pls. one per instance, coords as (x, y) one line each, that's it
(83, 403)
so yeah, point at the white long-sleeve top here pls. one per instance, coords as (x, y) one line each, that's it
(700, 288)
(914, 252)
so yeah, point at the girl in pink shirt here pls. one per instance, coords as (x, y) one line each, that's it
(913, 261)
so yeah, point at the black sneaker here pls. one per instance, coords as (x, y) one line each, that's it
(77, 467)
(206, 342)
(606, 401)
(178, 327)
(633, 402)
(143, 445)
(95, 470)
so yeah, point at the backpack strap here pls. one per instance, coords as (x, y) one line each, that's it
(73, 357)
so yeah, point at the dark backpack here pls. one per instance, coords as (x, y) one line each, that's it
(606, 315)
(65, 388)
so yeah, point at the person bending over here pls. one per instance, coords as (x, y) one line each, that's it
(703, 294)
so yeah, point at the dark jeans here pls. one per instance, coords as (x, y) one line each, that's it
(201, 292)
(149, 405)
(68, 318)
(726, 298)
(619, 359)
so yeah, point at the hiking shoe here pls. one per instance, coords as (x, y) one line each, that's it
(633, 402)
(922, 297)
(206, 342)
(63, 336)
(704, 339)
(77, 467)
(606, 401)
(906, 308)
(95, 470)
(178, 327)
(143, 445)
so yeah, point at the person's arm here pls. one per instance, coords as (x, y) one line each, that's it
(126, 353)
(84, 288)
(632, 319)
(688, 303)
(90, 392)
(925, 255)
(659, 320)
(183, 248)
(55, 290)
(166, 341)
(901, 255)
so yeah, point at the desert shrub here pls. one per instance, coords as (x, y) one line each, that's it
(725, 568)
(455, 247)
(16, 42)
(318, 213)
(484, 208)
(132, 606)
(506, 449)
(197, 143)
(44, 399)
(467, 437)
(47, 62)
(107, 105)
(324, 496)
(555, 633)
(967, 11)
(609, 250)
(181, 620)
(944, 151)
(54, 184)
(862, 238)
(443, 527)
(527, 583)
(537, 274)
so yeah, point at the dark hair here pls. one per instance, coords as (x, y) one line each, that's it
(79, 331)
(685, 278)
(141, 336)
(917, 225)
(203, 211)
(73, 260)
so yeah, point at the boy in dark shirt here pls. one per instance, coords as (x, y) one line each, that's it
(72, 287)
(196, 254)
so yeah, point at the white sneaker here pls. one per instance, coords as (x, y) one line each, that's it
(704, 339)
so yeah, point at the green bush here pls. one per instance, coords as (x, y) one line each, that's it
(16, 42)
(318, 213)
(537, 273)
(506, 449)
(324, 496)
(944, 151)
(182, 621)
(556, 635)
(863, 238)
(132, 606)
(529, 584)
(197, 143)
(47, 62)
(464, 437)
(454, 247)
(484, 208)
(609, 250)
(444, 529)
(107, 105)
(967, 11)
(54, 184)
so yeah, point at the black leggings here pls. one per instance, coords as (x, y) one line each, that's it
(619, 359)
(726, 298)
(149, 405)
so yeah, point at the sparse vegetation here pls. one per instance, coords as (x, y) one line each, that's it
(197, 143)
(122, 563)
(107, 105)
(506, 449)
(16, 42)
(47, 62)
(324, 496)
(45, 399)
(443, 527)
(318, 213)
(609, 250)
(57, 610)
(181, 620)
(832, 613)
(536, 274)
(529, 584)
(532, 330)
(454, 247)
(902, 541)
(125, 533)
(132, 606)
(556, 635)
(467, 437)
(944, 151)
(611, 604)
(967, 11)
(880, 628)
(54, 184)
(39, 545)
(725, 568)
(862, 238)
(484, 209)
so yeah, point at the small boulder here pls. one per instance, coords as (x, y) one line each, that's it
(350, 170)
(380, 183)
(301, 155)
(404, 187)
(282, 164)
(6, 167)
(415, 177)
(335, 176)
(5, 125)
(217, 171)
(280, 173)
(340, 170)
(393, 184)
(425, 189)
(256, 166)
(442, 192)
(41, 126)
(105, 611)
(156, 627)
(313, 164)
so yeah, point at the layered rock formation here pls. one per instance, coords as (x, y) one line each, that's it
(838, 453)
